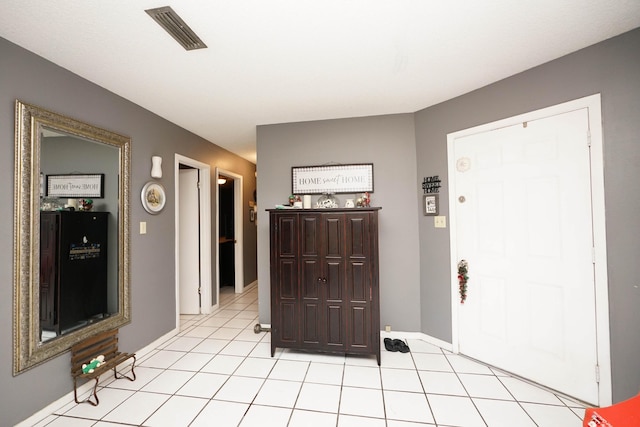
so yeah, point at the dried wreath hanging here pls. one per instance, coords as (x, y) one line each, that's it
(463, 268)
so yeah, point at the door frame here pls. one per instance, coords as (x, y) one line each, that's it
(593, 104)
(204, 196)
(238, 229)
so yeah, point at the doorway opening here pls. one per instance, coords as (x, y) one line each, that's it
(194, 291)
(229, 230)
(226, 236)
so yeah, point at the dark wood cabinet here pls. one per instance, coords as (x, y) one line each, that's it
(73, 269)
(324, 280)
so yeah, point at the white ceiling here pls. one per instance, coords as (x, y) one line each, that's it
(295, 60)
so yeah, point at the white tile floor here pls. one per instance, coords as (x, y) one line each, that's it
(218, 372)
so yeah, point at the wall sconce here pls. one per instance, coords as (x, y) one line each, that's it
(221, 181)
(156, 167)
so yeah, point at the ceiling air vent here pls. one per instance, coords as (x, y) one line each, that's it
(174, 25)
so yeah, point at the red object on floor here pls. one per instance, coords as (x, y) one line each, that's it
(623, 414)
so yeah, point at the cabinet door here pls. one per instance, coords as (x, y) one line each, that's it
(359, 280)
(311, 283)
(82, 267)
(48, 269)
(333, 270)
(285, 304)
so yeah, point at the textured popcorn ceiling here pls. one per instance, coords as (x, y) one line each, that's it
(274, 61)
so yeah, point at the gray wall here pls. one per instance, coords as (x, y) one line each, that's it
(611, 68)
(389, 143)
(34, 80)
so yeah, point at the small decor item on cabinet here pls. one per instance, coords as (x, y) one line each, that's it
(153, 197)
(363, 201)
(366, 200)
(51, 204)
(327, 200)
(85, 204)
(295, 201)
(72, 204)
(349, 203)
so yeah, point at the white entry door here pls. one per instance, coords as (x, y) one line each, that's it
(524, 225)
(189, 244)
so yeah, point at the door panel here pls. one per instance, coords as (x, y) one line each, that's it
(288, 325)
(189, 244)
(287, 302)
(524, 226)
(334, 286)
(356, 236)
(333, 232)
(359, 285)
(311, 301)
(333, 280)
(359, 333)
(288, 283)
(287, 230)
(310, 245)
(310, 283)
(335, 326)
(312, 289)
(311, 321)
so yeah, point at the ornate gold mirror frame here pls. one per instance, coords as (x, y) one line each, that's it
(28, 349)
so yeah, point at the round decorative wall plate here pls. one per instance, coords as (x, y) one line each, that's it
(153, 197)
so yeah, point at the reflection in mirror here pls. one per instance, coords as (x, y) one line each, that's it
(71, 226)
(78, 247)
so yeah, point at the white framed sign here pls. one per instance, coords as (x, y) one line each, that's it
(352, 178)
(76, 185)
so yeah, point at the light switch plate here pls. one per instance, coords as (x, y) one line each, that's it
(440, 221)
(143, 227)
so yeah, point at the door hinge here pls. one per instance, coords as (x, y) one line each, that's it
(598, 373)
(370, 294)
(589, 138)
(593, 255)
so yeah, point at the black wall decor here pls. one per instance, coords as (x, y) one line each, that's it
(431, 184)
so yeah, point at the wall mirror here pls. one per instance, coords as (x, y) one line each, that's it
(71, 228)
